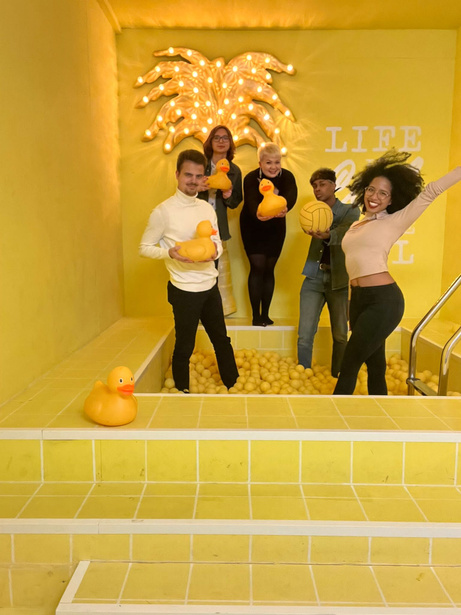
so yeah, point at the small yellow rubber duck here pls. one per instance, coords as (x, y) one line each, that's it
(202, 248)
(219, 179)
(272, 204)
(113, 403)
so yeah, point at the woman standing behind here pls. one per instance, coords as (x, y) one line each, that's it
(263, 237)
(219, 145)
(390, 192)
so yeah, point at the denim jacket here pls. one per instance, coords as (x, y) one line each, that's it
(343, 216)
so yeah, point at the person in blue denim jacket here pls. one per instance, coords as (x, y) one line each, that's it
(326, 278)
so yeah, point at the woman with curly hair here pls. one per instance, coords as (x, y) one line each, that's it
(391, 193)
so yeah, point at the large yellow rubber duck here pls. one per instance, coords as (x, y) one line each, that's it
(202, 248)
(219, 179)
(272, 204)
(113, 403)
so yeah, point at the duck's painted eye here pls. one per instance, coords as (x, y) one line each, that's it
(120, 380)
(131, 378)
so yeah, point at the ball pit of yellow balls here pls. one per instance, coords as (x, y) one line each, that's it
(269, 373)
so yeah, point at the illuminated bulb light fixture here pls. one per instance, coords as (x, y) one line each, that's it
(206, 92)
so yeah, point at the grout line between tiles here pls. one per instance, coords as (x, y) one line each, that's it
(381, 593)
(122, 589)
(442, 586)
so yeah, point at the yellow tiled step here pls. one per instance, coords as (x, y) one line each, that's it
(266, 588)
(190, 502)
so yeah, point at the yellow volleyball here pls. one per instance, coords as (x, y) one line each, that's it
(315, 216)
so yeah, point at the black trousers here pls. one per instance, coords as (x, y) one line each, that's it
(375, 311)
(188, 309)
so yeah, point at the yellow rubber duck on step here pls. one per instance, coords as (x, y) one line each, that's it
(219, 179)
(113, 403)
(272, 204)
(202, 248)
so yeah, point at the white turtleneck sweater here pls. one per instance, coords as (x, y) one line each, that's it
(367, 242)
(176, 220)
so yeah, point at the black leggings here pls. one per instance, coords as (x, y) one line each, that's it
(261, 283)
(375, 312)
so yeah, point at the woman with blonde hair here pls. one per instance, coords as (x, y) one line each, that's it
(263, 237)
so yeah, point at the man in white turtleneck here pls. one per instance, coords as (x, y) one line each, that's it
(192, 290)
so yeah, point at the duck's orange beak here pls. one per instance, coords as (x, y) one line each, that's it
(126, 389)
(265, 188)
(225, 168)
(214, 232)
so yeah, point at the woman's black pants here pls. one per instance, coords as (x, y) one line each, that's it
(375, 311)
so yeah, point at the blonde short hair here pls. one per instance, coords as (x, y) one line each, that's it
(270, 149)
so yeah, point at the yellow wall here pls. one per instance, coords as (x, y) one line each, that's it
(344, 79)
(452, 247)
(60, 257)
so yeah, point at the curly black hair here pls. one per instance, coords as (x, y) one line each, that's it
(406, 180)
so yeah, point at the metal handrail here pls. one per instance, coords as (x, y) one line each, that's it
(448, 348)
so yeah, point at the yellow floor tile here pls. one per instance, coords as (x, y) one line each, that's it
(389, 550)
(171, 460)
(221, 461)
(174, 422)
(326, 462)
(20, 460)
(377, 462)
(4, 588)
(442, 511)
(435, 493)
(156, 582)
(266, 507)
(430, 463)
(226, 489)
(370, 422)
(18, 488)
(68, 460)
(234, 406)
(382, 492)
(109, 507)
(446, 551)
(222, 422)
(11, 505)
(340, 509)
(222, 507)
(421, 424)
(451, 580)
(346, 584)
(328, 491)
(54, 507)
(276, 490)
(220, 582)
(39, 548)
(166, 508)
(214, 548)
(40, 586)
(161, 547)
(313, 407)
(391, 510)
(100, 547)
(321, 422)
(279, 549)
(406, 585)
(274, 462)
(170, 489)
(285, 583)
(120, 489)
(271, 422)
(63, 489)
(268, 407)
(404, 408)
(358, 406)
(339, 549)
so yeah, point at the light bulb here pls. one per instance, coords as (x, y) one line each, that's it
(176, 69)
(267, 117)
(277, 131)
(196, 104)
(268, 76)
(248, 57)
(218, 64)
(172, 129)
(195, 74)
(240, 98)
(181, 84)
(240, 81)
(157, 69)
(260, 89)
(210, 80)
(226, 101)
(235, 137)
(235, 69)
(160, 118)
(246, 130)
(145, 99)
(172, 103)
(253, 70)
(287, 113)
(147, 133)
(290, 68)
(209, 120)
(194, 116)
(170, 50)
(250, 107)
(186, 131)
(263, 144)
(208, 103)
(267, 60)
(178, 111)
(284, 150)
(205, 129)
(167, 146)
(274, 97)
(220, 111)
(224, 85)
(161, 87)
(202, 62)
(140, 80)
(233, 116)
(195, 90)
(189, 52)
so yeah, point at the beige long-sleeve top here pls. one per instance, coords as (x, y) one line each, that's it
(367, 243)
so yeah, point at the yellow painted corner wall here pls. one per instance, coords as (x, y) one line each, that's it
(452, 246)
(354, 94)
(60, 221)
